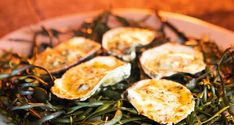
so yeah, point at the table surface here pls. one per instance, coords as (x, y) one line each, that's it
(18, 13)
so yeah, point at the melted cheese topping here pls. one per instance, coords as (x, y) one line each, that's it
(66, 54)
(120, 40)
(164, 101)
(171, 58)
(82, 81)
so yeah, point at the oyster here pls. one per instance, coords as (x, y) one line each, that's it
(123, 41)
(66, 54)
(171, 58)
(82, 81)
(163, 101)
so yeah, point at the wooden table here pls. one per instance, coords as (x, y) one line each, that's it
(17, 13)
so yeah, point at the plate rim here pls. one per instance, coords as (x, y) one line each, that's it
(163, 13)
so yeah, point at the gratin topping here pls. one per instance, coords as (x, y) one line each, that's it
(66, 54)
(164, 101)
(171, 58)
(82, 81)
(120, 40)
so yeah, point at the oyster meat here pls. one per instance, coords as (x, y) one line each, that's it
(123, 41)
(171, 58)
(83, 80)
(164, 101)
(66, 54)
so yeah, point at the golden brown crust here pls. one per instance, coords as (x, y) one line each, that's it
(171, 58)
(66, 54)
(82, 81)
(164, 101)
(118, 41)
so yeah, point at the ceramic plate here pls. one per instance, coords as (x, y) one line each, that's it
(189, 25)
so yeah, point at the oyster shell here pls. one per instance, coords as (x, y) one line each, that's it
(123, 41)
(83, 80)
(171, 58)
(66, 54)
(163, 101)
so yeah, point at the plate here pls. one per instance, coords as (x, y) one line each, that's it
(189, 25)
